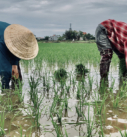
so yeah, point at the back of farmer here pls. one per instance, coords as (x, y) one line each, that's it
(111, 35)
(16, 42)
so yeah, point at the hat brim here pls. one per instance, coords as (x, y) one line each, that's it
(21, 42)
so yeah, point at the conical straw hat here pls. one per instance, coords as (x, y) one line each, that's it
(21, 42)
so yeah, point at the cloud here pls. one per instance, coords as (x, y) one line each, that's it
(46, 17)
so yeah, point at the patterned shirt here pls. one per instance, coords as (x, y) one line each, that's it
(117, 34)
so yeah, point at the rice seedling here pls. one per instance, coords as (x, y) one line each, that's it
(62, 84)
(79, 113)
(65, 132)
(73, 83)
(36, 100)
(79, 91)
(58, 112)
(90, 80)
(81, 69)
(101, 133)
(122, 91)
(90, 123)
(54, 82)
(44, 81)
(9, 104)
(18, 91)
(16, 83)
(20, 131)
(2, 122)
(103, 86)
(47, 85)
(33, 86)
(68, 90)
(123, 134)
(60, 74)
(58, 128)
(99, 106)
(116, 101)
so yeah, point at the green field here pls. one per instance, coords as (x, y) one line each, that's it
(76, 106)
(75, 52)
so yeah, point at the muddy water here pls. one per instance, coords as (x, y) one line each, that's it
(18, 119)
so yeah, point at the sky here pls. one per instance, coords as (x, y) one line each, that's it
(49, 17)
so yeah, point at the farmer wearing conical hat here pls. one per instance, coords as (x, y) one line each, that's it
(16, 42)
(111, 35)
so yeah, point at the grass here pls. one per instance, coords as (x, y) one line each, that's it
(65, 52)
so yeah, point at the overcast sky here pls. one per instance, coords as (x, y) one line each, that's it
(48, 17)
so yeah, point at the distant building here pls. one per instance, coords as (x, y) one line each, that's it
(39, 38)
(84, 33)
(81, 38)
(54, 37)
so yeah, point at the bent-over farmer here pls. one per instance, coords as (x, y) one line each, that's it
(16, 42)
(111, 35)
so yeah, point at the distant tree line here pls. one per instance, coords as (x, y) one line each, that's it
(70, 35)
(73, 34)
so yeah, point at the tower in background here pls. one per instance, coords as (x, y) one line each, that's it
(70, 27)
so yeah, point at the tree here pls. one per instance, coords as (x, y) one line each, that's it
(80, 34)
(46, 38)
(88, 37)
(69, 35)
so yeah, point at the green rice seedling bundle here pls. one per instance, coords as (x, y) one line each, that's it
(81, 69)
(60, 74)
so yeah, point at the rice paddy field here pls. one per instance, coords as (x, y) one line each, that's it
(76, 106)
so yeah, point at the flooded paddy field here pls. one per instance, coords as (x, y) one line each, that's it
(77, 106)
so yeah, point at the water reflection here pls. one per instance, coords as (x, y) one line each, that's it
(82, 103)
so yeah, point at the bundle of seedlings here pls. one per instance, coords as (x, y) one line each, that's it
(60, 74)
(122, 67)
(81, 69)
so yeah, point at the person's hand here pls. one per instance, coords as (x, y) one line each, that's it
(15, 72)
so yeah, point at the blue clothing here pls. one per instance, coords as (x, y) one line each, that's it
(7, 59)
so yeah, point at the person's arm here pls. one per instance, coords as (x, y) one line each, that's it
(14, 61)
(15, 72)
